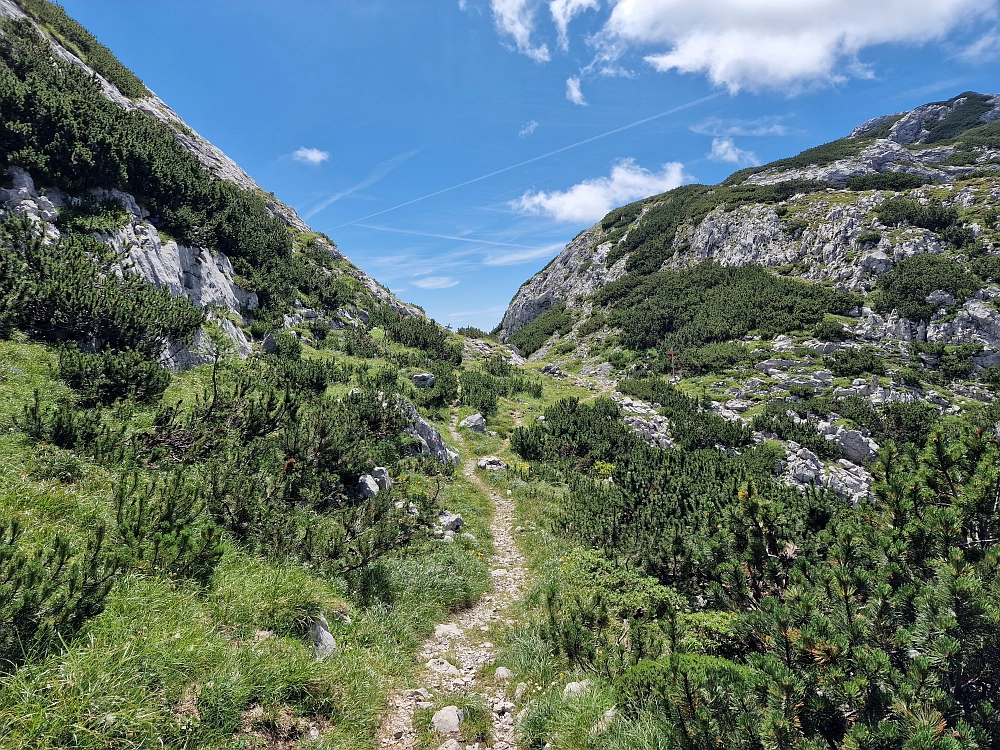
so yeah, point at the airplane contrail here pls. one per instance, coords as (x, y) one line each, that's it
(537, 158)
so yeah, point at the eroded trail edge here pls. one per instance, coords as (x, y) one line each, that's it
(461, 647)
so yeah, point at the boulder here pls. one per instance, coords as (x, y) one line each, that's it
(448, 720)
(492, 463)
(368, 486)
(429, 438)
(451, 521)
(476, 423)
(855, 446)
(323, 642)
(424, 380)
(381, 476)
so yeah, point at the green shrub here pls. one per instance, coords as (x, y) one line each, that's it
(906, 287)
(852, 363)
(531, 337)
(868, 239)
(897, 181)
(934, 215)
(708, 304)
(112, 376)
(830, 330)
(77, 39)
(49, 591)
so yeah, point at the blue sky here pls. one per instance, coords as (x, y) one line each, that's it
(347, 109)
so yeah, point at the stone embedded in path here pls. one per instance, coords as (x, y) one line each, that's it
(447, 630)
(451, 745)
(476, 423)
(443, 666)
(448, 720)
(422, 693)
(492, 463)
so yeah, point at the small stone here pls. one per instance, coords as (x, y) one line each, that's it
(520, 691)
(451, 521)
(367, 486)
(447, 630)
(576, 688)
(492, 463)
(448, 720)
(323, 642)
(476, 423)
(451, 745)
(503, 673)
(423, 693)
(443, 666)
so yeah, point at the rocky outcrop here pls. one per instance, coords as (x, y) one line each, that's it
(428, 438)
(576, 273)
(211, 157)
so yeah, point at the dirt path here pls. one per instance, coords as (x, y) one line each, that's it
(461, 646)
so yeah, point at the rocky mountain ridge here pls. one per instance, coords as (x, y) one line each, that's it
(205, 276)
(825, 218)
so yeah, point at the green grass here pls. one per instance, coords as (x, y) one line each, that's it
(168, 664)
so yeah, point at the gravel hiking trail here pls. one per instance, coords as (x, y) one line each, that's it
(461, 646)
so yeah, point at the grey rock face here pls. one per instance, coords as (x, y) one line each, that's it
(323, 642)
(940, 298)
(855, 446)
(476, 423)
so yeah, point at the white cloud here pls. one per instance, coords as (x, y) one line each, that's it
(311, 156)
(723, 149)
(573, 92)
(762, 126)
(780, 44)
(517, 19)
(593, 199)
(984, 49)
(436, 282)
(527, 129)
(563, 12)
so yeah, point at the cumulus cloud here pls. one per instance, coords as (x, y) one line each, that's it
(724, 150)
(762, 126)
(516, 18)
(592, 199)
(563, 12)
(436, 282)
(311, 156)
(779, 44)
(573, 92)
(527, 129)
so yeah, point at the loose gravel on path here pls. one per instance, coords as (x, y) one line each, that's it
(461, 646)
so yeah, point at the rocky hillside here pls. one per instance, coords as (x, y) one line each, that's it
(813, 300)
(164, 251)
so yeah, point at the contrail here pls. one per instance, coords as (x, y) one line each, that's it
(469, 240)
(380, 171)
(537, 158)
